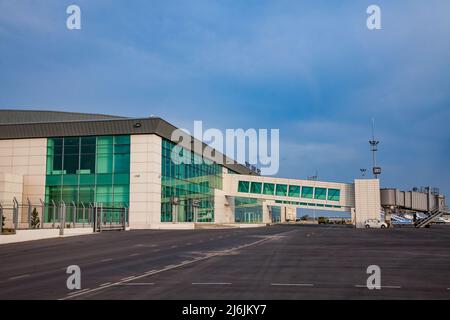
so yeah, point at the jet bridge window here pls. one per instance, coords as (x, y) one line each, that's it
(244, 186)
(269, 189)
(334, 194)
(281, 190)
(294, 191)
(307, 192)
(256, 187)
(320, 193)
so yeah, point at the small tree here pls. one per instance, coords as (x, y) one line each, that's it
(35, 221)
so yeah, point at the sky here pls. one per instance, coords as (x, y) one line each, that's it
(309, 68)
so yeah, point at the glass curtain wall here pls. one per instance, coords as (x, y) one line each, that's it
(192, 184)
(88, 170)
(248, 210)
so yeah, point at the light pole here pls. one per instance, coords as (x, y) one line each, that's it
(314, 178)
(374, 148)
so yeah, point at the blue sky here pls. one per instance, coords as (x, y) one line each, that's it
(310, 68)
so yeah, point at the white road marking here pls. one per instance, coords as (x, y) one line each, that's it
(133, 254)
(382, 287)
(211, 283)
(150, 271)
(127, 278)
(136, 284)
(165, 269)
(170, 266)
(106, 260)
(173, 247)
(293, 284)
(188, 244)
(105, 284)
(19, 277)
(78, 291)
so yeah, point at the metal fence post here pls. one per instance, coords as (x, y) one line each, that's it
(101, 217)
(91, 213)
(62, 218)
(84, 213)
(1, 218)
(74, 213)
(43, 213)
(29, 213)
(94, 217)
(15, 213)
(53, 214)
(123, 211)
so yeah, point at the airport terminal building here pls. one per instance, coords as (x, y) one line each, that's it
(88, 159)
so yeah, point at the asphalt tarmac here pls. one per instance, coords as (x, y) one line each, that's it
(278, 262)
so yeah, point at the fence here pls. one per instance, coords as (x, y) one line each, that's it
(61, 215)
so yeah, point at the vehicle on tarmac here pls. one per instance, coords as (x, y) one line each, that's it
(375, 224)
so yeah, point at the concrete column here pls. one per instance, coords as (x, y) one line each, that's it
(367, 200)
(266, 214)
(145, 181)
(283, 214)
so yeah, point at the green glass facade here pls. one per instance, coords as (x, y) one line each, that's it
(248, 210)
(88, 170)
(190, 183)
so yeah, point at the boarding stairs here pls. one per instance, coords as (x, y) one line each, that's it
(432, 216)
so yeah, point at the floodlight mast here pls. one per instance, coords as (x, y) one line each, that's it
(374, 148)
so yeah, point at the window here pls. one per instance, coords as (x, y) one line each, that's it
(269, 189)
(104, 179)
(88, 169)
(334, 194)
(244, 186)
(87, 179)
(256, 187)
(192, 180)
(281, 190)
(294, 191)
(104, 163)
(320, 194)
(307, 192)
(70, 180)
(54, 180)
(121, 163)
